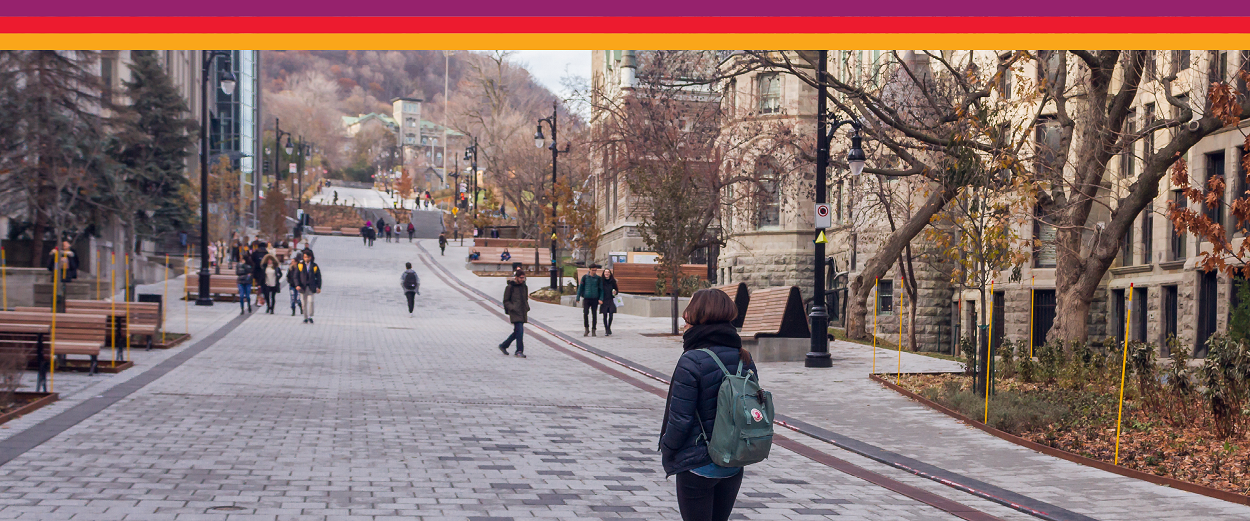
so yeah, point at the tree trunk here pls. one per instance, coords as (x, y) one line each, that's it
(673, 290)
(861, 286)
(983, 346)
(911, 325)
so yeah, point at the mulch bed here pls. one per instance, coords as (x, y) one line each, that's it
(103, 366)
(1150, 444)
(25, 403)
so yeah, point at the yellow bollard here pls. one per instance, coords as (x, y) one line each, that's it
(1032, 294)
(989, 358)
(126, 292)
(56, 281)
(97, 274)
(898, 311)
(165, 298)
(876, 303)
(186, 293)
(1128, 312)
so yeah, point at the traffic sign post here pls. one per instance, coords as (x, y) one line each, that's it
(823, 219)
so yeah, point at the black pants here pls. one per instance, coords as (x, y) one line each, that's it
(607, 321)
(518, 334)
(706, 499)
(590, 312)
(271, 294)
(411, 296)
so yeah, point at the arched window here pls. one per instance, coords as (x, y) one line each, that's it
(767, 196)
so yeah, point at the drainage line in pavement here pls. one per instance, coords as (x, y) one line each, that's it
(959, 482)
(36, 435)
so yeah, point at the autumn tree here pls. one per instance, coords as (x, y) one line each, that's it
(273, 214)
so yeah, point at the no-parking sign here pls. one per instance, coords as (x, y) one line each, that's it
(823, 219)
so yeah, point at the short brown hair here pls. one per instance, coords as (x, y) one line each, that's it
(710, 306)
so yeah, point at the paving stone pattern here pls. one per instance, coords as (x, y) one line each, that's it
(843, 400)
(372, 413)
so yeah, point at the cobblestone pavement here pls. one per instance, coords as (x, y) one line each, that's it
(373, 413)
(843, 400)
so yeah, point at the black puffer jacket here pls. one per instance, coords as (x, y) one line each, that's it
(694, 386)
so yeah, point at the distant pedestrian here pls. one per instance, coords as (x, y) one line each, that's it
(243, 274)
(292, 284)
(608, 307)
(505, 256)
(271, 277)
(411, 284)
(705, 491)
(516, 303)
(68, 260)
(308, 280)
(381, 225)
(412, 230)
(388, 233)
(590, 292)
(442, 244)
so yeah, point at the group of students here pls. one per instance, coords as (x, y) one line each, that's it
(370, 231)
(262, 270)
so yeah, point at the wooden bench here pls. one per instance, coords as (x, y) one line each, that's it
(218, 285)
(323, 230)
(776, 312)
(741, 297)
(282, 254)
(489, 261)
(640, 279)
(28, 341)
(482, 242)
(76, 334)
(144, 318)
(354, 232)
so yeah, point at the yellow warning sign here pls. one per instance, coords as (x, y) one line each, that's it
(820, 239)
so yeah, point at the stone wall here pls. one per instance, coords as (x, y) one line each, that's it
(768, 270)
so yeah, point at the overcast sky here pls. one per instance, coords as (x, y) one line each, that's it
(548, 67)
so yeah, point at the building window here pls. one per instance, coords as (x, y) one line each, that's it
(1169, 317)
(1215, 168)
(1243, 64)
(1004, 84)
(1151, 71)
(1219, 69)
(1048, 142)
(1177, 249)
(768, 203)
(1180, 60)
(1147, 233)
(885, 296)
(410, 139)
(1128, 161)
(1126, 247)
(1044, 242)
(1241, 187)
(108, 77)
(1048, 64)
(769, 93)
(731, 100)
(410, 122)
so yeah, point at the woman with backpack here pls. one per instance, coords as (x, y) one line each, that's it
(706, 491)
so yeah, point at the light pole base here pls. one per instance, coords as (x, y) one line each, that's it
(815, 359)
(204, 298)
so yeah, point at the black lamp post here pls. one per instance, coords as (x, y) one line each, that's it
(279, 148)
(819, 317)
(227, 81)
(470, 154)
(539, 140)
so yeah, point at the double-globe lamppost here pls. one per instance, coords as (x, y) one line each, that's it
(470, 154)
(227, 82)
(539, 141)
(819, 316)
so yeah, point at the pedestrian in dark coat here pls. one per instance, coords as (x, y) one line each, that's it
(705, 491)
(270, 281)
(608, 307)
(590, 292)
(308, 282)
(442, 244)
(292, 284)
(364, 232)
(411, 284)
(243, 274)
(516, 303)
(412, 230)
(69, 261)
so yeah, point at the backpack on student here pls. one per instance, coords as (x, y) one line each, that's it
(742, 433)
(410, 281)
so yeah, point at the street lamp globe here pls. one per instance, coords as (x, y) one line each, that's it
(856, 155)
(228, 82)
(538, 137)
(289, 149)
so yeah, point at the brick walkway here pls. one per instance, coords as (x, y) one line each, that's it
(844, 401)
(372, 413)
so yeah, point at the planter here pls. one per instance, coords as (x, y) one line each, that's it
(102, 366)
(177, 339)
(33, 402)
(1051, 451)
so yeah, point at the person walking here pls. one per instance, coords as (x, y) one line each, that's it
(388, 233)
(364, 232)
(381, 226)
(705, 490)
(442, 244)
(590, 292)
(308, 281)
(516, 303)
(608, 307)
(411, 283)
(243, 275)
(68, 259)
(293, 284)
(412, 230)
(271, 278)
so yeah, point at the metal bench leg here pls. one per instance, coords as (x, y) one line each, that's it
(149, 342)
(41, 383)
(93, 364)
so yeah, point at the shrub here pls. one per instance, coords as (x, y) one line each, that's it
(968, 347)
(1010, 411)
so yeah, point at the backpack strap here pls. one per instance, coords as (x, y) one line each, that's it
(721, 365)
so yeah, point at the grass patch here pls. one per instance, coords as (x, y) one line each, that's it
(839, 334)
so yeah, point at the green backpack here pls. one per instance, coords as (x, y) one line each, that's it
(743, 430)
